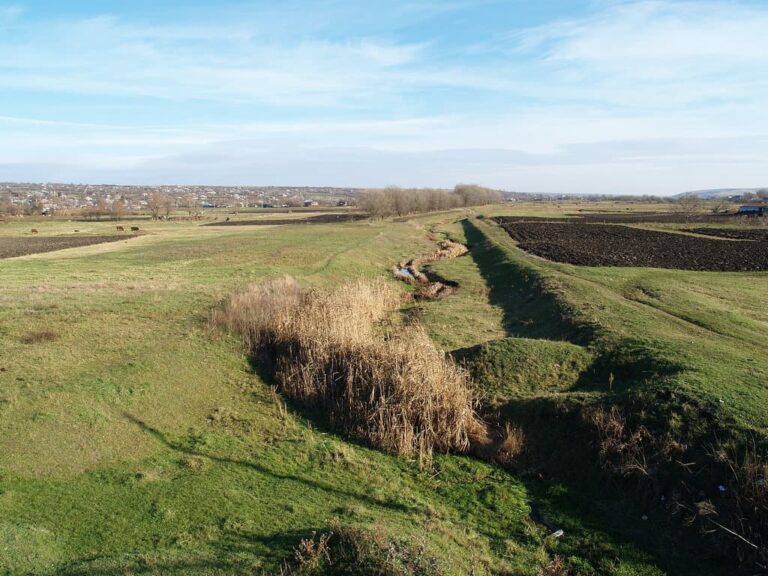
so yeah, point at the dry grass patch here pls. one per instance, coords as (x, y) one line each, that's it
(329, 349)
(38, 336)
(356, 551)
(512, 446)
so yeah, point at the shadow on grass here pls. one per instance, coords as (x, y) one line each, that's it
(240, 553)
(562, 476)
(533, 310)
(530, 309)
(309, 483)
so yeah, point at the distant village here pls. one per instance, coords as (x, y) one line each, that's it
(110, 200)
(97, 200)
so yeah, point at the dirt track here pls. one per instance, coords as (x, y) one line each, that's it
(12, 246)
(611, 245)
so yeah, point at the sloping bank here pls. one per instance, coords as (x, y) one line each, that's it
(587, 388)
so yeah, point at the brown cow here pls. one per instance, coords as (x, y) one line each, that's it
(120, 229)
(134, 228)
(34, 230)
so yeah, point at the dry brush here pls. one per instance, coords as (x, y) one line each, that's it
(391, 388)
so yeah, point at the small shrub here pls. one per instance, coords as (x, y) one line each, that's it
(747, 491)
(345, 550)
(512, 446)
(555, 567)
(622, 451)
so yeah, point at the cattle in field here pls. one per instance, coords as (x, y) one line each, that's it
(120, 229)
(134, 228)
(34, 231)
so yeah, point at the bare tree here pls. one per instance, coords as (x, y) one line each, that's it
(720, 205)
(117, 209)
(191, 204)
(394, 201)
(474, 195)
(155, 204)
(689, 204)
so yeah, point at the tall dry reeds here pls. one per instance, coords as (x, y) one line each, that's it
(394, 390)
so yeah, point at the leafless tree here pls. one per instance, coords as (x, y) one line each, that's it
(155, 203)
(117, 209)
(720, 205)
(689, 204)
(394, 201)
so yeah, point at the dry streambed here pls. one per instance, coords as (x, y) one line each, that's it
(411, 272)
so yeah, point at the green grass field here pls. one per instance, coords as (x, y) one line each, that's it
(134, 439)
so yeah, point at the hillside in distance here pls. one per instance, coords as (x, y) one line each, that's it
(715, 193)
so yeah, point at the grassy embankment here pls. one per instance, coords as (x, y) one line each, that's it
(133, 439)
(679, 352)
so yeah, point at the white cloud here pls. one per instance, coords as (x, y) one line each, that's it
(652, 53)
(637, 97)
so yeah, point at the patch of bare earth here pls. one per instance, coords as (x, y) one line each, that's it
(13, 246)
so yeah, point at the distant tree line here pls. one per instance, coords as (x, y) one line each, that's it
(394, 201)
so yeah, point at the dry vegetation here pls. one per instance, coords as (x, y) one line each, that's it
(394, 201)
(739, 517)
(410, 271)
(350, 550)
(328, 349)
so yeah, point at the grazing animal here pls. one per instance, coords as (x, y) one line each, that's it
(227, 220)
(120, 229)
(134, 228)
(77, 230)
(34, 230)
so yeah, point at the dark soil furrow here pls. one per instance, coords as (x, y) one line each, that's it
(13, 246)
(611, 245)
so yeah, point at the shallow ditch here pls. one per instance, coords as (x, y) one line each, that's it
(429, 285)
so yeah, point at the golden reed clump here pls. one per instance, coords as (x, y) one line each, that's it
(396, 391)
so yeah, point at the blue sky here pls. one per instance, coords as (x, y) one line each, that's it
(604, 96)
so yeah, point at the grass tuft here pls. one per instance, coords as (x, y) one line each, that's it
(359, 552)
(38, 336)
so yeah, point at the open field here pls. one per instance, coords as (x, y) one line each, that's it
(12, 246)
(303, 218)
(734, 233)
(618, 245)
(134, 438)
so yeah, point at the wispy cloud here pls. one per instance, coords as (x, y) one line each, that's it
(622, 96)
(653, 53)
